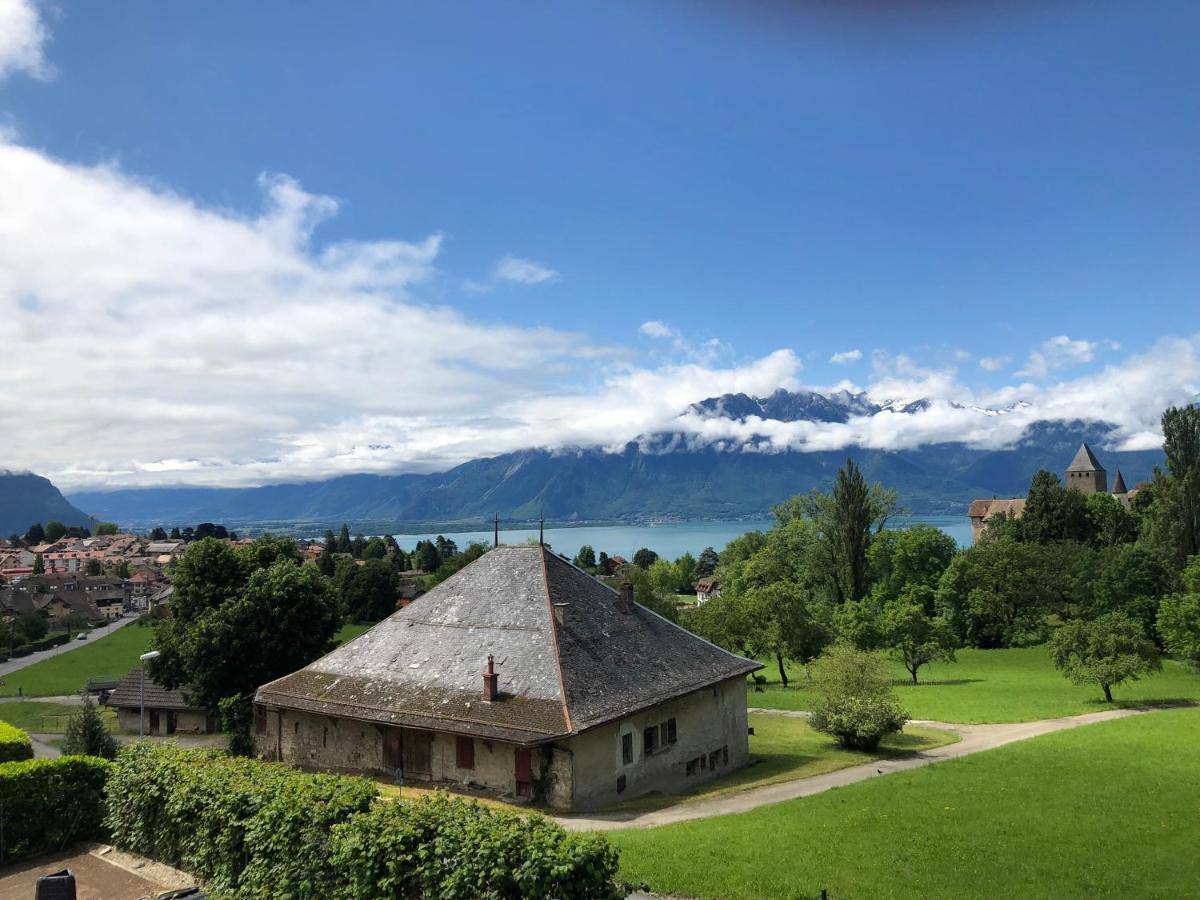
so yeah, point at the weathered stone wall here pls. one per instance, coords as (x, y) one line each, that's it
(579, 773)
(186, 721)
(334, 744)
(710, 723)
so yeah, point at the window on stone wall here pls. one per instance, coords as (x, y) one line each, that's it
(465, 752)
(260, 720)
(672, 736)
(649, 740)
(627, 749)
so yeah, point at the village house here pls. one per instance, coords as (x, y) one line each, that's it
(1084, 474)
(706, 589)
(523, 677)
(167, 712)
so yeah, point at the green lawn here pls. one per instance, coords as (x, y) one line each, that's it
(46, 718)
(113, 653)
(998, 686)
(351, 630)
(784, 749)
(1105, 810)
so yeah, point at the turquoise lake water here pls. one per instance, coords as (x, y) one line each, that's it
(670, 539)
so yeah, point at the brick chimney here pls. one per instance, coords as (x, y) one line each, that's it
(625, 604)
(491, 681)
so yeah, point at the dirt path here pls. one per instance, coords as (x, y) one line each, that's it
(975, 738)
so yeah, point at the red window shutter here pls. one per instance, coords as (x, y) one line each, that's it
(465, 748)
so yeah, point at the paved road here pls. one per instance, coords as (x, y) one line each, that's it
(975, 738)
(15, 665)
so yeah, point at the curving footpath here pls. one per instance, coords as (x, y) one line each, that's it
(975, 739)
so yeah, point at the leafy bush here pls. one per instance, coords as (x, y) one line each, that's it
(46, 804)
(438, 847)
(856, 703)
(251, 829)
(14, 744)
(237, 715)
(254, 829)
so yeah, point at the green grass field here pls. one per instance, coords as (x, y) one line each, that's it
(46, 718)
(998, 686)
(1106, 810)
(784, 749)
(114, 653)
(351, 630)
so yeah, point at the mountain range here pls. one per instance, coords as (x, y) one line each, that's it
(26, 498)
(658, 477)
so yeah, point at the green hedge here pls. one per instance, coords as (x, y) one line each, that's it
(46, 804)
(254, 829)
(14, 744)
(250, 829)
(438, 847)
(47, 643)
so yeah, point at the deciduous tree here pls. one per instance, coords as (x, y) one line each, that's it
(1105, 651)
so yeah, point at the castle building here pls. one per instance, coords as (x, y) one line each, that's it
(1085, 474)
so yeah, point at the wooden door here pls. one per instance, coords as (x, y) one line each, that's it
(154, 721)
(416, 753)
(524, 773)
(172, 722)
(391, 749)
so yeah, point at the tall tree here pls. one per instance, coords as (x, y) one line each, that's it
(106, 528)
(644, 558)
(913, 633)
(1177, 494)
(39, 564)
(368, 592)
(343, 540)
(158, 534)
(707, 562)
(55, 530)
(847, 520)
(586, 557)
(35, 535)
(1054, 512)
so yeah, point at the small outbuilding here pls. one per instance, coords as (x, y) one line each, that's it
(520, 676)
(167, 712)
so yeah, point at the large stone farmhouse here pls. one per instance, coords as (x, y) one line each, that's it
(523, 677)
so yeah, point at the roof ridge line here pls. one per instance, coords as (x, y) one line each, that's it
(562, 684)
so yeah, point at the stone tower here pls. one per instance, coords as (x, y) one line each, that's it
(1085, 473)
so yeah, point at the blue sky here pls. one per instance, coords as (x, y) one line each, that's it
(930, 188)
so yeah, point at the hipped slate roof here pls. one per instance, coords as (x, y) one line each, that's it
(1085, 461)
(422, 667)
(128, 694)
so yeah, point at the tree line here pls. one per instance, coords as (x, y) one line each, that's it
(1109, 586)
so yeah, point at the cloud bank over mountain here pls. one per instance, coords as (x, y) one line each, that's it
(156, 340)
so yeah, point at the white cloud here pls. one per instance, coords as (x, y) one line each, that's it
(846, 356)
(522, 271)
(187, 344)
(994, 363)
(23, 37)
(150, 340)
(1056, 353)
(657, 329)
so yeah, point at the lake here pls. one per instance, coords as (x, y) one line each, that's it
(670, 539)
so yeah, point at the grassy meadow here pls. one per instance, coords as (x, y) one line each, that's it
(114, 653)
(783, 748)
(40, 717)
(1105, 810)
(1013, 685)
